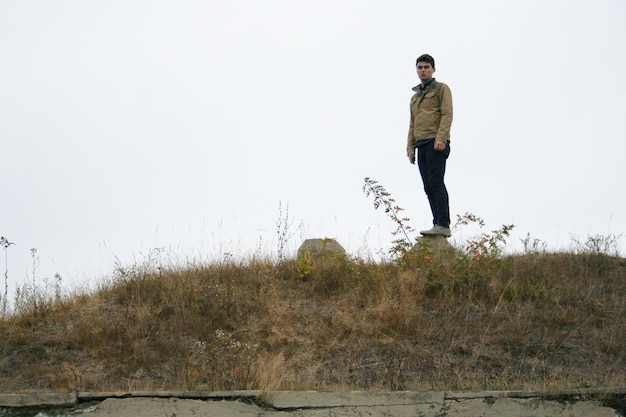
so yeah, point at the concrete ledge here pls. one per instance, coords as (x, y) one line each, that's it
(291, 400)
(189, 395)
(35, 400)
(582, 392)
(286, 400)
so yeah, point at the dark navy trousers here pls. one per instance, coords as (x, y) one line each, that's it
(432, 165)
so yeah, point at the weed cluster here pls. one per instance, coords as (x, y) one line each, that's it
(4, 242)
(535, 321)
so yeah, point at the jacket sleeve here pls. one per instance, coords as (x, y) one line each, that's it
(445, 123)
(410, 143)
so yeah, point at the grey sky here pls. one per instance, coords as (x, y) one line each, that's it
(132, 125)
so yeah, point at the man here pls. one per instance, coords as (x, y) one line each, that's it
(429, 135)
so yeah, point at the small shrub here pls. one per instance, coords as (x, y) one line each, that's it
(402, 243)
(305, 265)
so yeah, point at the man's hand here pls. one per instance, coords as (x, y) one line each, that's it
(412, 158)
(440, 146)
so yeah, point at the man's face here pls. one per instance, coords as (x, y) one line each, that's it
(425, 71)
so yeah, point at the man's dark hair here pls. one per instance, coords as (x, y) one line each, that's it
(426, 58)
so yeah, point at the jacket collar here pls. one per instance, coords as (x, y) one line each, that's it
(426, 87)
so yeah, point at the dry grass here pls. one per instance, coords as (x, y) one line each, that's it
(532, 322)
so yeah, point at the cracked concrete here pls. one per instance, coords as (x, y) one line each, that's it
(580, 403)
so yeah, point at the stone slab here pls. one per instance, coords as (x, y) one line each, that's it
(575, 392)
(318, 399)
(32, 400)
(573, 403)
(519, 407)
(501, 407)
(168, 407)
(199, 395)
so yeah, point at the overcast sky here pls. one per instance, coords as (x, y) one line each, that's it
(127, 126)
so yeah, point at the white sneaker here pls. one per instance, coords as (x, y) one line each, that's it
(437, 231)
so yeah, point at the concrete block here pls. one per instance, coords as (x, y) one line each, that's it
(316, 399)
(34, 400)
(326, 248)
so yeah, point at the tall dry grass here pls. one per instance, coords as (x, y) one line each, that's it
(530, 322)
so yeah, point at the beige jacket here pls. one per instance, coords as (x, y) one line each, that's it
(431, 114)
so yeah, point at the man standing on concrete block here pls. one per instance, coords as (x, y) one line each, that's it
(429, 136)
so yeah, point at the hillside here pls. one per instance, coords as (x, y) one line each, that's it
(528, 322)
